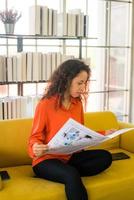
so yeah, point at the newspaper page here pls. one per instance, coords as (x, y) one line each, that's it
(73, 137)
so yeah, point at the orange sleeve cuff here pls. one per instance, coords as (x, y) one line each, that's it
(102, 132)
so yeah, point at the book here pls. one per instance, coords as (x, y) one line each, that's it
(1, 110)
(19, 67)
(77, 13)
(2, 68)
(9, 108)
(50, 21)
(5, 109)
(37, 66)
(9, 69)
(13, 108)
(62, 24)
(86, 25)
(29, 67)
(44, 21)
(24, 66)
(44, 67)
(74, 136)
(53, 61)
(49, 65)
(35, 20)
(54, 24)
(18, 107)
(14, 68)
(58, 59)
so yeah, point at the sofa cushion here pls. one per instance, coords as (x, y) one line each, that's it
(101, 120)
(13, 142)
(116, 183)
(23, 185)
(126, 141)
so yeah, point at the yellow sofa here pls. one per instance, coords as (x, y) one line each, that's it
(116, 183)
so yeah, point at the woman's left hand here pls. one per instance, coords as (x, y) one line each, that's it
(110, 131)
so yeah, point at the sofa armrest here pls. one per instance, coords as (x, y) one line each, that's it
(127, 139)
(125, 125)
(1, 183)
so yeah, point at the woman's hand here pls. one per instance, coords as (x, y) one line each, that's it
(39, 149)
(108, 132)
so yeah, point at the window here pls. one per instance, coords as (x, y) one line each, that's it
(107, 48)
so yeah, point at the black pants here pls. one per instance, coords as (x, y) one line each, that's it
(84, 163)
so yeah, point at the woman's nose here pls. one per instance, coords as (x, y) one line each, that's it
(82, 88)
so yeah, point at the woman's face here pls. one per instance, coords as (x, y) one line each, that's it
(78, 84)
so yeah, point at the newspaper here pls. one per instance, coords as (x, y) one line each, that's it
(73, 137)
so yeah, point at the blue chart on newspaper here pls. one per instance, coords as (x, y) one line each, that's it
(73, 137)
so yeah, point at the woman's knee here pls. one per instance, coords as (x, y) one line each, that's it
(106, 157)
(72, 175)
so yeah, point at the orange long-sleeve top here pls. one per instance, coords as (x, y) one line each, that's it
(48, 120)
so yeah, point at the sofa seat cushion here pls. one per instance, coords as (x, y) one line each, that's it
(116, 183)
(23, 185)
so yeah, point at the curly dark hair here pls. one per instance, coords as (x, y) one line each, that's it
(61, 78)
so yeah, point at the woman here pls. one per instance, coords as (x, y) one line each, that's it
(63, 100)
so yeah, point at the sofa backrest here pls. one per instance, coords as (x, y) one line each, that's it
(101, 121)
(14, 136)
(13, 142)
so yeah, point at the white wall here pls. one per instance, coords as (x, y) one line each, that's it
(132, 73)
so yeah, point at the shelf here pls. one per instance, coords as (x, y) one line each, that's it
(108, 91)
(16, 36)
(17, 82)
(118, 1)
(20, 37)
(27, 82)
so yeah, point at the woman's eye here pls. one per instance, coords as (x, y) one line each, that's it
(81, 83)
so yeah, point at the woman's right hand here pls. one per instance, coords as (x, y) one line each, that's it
(39, 149)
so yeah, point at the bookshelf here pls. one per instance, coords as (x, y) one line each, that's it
(9, 104)
(110, 51)
(20, 38)
(46, 23)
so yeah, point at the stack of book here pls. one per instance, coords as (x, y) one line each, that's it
(30, 66)
(18, 107)
(48, 22)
